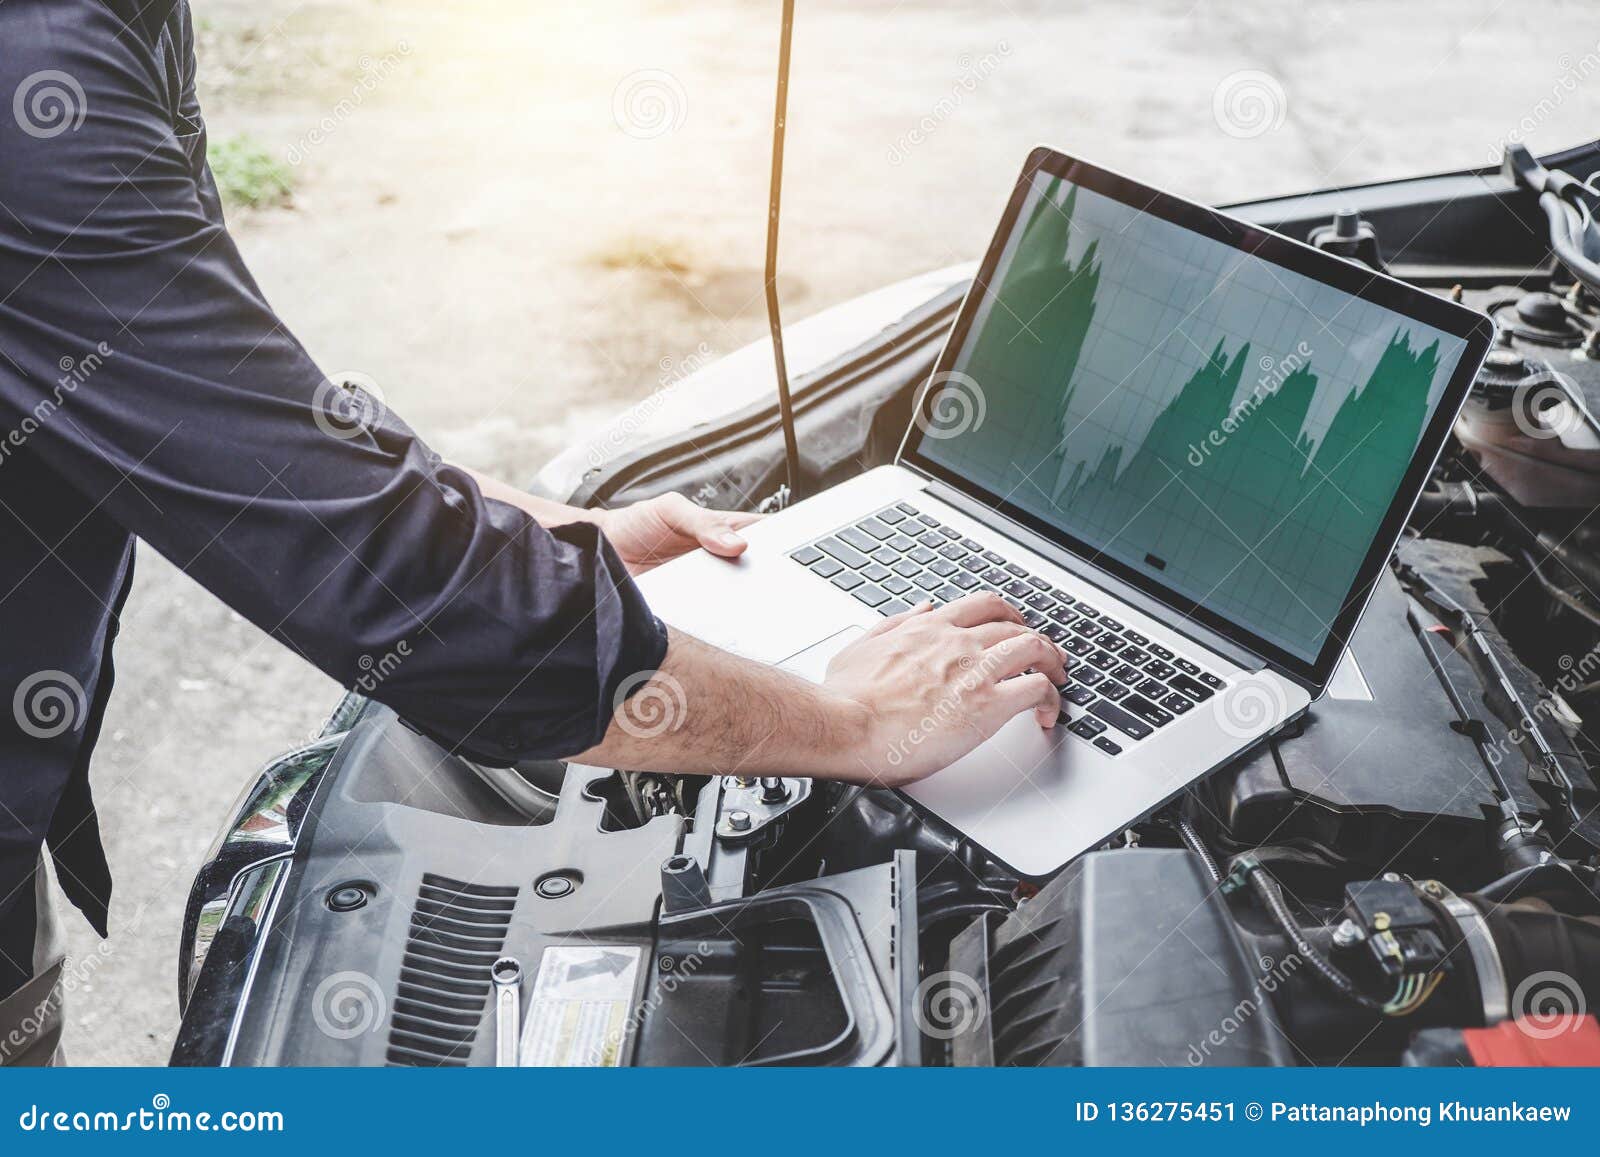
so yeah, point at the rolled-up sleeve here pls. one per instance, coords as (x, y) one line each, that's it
(142, 364)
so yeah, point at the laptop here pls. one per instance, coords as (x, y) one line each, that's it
(1182, 446)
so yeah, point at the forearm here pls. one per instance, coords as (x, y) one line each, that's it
(710, 712)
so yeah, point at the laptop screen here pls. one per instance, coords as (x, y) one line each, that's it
(1231, 430)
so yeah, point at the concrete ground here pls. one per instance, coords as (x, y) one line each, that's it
(517, 216)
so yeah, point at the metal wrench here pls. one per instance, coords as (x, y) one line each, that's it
(507, 976)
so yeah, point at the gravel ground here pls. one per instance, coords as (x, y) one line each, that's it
(510, 213)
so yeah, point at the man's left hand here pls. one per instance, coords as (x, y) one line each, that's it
(658, 530)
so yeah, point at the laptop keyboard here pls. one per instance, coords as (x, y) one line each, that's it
(1124, 685)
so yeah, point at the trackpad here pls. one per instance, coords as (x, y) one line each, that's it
(812, 663)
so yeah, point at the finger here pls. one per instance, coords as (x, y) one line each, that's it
(893, 621)
(739, 519)
(984, 607)
(1023, 651)
(1027, 692)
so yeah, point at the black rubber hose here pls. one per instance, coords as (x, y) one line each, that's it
(1266, 888)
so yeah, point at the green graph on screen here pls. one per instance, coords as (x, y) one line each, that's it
(1227, 460)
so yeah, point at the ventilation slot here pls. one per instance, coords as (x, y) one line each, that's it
(457, 932)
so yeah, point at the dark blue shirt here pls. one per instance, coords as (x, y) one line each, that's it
(147, 389)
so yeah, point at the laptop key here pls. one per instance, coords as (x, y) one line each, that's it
(949, 533)
(1033, 619)
(1088, 676)
(1087, 629)
(1078, 646)
(872, 595)
(949, 593)
(973, 545)
(996, 577)
(927, 520)
(1015, 571)
(901, 543)
(1113, 690)
(1111, 624)
(857, 538)
(1146, 710)
(1062, 597)
(849, 555)
(1152, 687)
(879, 530)
(894, 607)
(905, 568)
(1136, 638)
(848, 580)
(1135, 656)
(1195, 690)
(1210, 680)
(922, 555)
(993, 558)
(896, 585)
(826, 567)
(964, 579)
(1177, 704)
(1087, 727)
(1109, 746)
(928, 581)
(1130, 675)
(1018, 590)
(1156, 669)
(1087, 611)
(874, 573)
(1101, 660)
(1112, 642)
(975, 564)
(883, 556)
(1080, 695)
(942, 567)
(1159, 651)
(1056, 633)
(1040, 602)
(894, 516)
(1185, 666)
(806, 555)
(1063, 616)
(953, 551)
(1038, 583)
(1113, 714)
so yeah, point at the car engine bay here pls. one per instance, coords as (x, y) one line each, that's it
(1401, 876)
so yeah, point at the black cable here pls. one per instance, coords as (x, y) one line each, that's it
(1267, 890)
(791, 449)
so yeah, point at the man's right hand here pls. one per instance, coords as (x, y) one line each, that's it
(914, 694)
(932, 684)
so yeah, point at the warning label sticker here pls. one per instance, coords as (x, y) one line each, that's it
(578, 1013)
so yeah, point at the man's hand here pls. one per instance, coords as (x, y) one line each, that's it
(647, 534)
(911, 696)
(936, 683)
